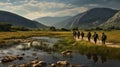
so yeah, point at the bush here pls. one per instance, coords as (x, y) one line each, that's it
(52, 28)
(5, 27)
(19, 28)
(63, 29)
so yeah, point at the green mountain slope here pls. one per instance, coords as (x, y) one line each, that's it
(16, 20)
(113, 21)
(91, 18)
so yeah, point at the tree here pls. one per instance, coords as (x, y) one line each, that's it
(5, 27)
(76, 28)
(63, 29)
(98, 28)
(19, 28)
(52, 28)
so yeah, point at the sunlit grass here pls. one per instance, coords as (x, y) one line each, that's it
(25, 34)
(85, 47)
(68, 42)
(112, 36)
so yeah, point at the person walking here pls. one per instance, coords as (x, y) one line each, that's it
(104, 37)
(89, 36)
(82, 35)
(78, 34)
(74, 34)
(95, 36)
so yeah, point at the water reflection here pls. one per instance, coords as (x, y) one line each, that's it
(90, 60)
(96, 58)
(89, 56)
(103, 58)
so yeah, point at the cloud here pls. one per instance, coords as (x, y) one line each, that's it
(34, 8)
(93, 5)
(40, 8)
(66, 12)
(47, 5)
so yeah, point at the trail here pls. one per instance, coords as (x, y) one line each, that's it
(99, 42)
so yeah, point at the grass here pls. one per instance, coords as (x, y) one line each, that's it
(112, 36)
(85, 48)
(25, 34)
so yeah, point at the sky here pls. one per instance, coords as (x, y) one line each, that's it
(32, 9)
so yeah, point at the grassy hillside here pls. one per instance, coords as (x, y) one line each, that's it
(17, 20)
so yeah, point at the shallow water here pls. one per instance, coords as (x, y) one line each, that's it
(75, 59)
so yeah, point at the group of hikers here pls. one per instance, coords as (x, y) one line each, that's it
(95, 36)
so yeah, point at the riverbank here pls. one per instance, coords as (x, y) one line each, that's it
(66, 44)
(99, 42)
(88, 48)
(9, 38)
(13, 37)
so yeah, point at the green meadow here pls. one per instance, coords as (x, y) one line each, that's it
(112, 36)
(68, 43)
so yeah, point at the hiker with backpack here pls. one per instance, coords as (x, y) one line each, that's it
(89, 36)
(104, 37)
(82, 35)
(78, 34)
(74, 33)
(95, 36)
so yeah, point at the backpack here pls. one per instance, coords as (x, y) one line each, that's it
(104, 37)
(96, 36)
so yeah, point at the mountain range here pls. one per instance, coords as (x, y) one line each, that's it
(50, 21)
(96, 17)
(91, 18)
(16, 20)
(113, 21)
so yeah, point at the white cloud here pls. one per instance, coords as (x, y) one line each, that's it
(93, 5)
(47, 5)
(34, 4)
(34, 9)
(66, 12)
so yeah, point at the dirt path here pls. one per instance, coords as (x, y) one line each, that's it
(99, 42)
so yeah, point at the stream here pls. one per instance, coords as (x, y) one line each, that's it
(52, 57)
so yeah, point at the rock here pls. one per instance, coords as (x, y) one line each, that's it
(9, 58)
(20, 57)
(71, 65)
(11, 66)
(66, 52)
(34, 61)
(80, 65)
(62, 63)
(39, 64)
(42, 63)
(24, 65)
(34, 53)
(53, 65)
(36, 65)
(23, 54)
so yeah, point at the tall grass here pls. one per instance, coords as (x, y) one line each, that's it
(68, 42)
(26, 34)
(112, 36)
(84, 47)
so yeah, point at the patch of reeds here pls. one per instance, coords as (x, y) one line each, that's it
(84, 48)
